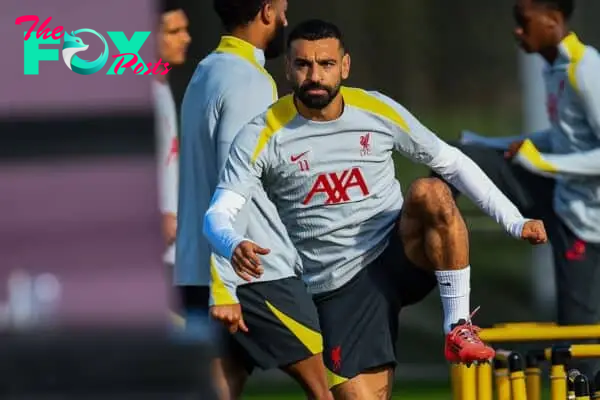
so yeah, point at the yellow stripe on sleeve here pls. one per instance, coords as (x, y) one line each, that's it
(218, 290)
(361, 99)
(531, 154)
(278, 115)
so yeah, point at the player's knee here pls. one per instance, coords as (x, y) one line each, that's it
(432, 198)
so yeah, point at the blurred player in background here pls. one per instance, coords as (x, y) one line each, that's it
(554, 175)
(172, 41)
(279, 327)
(324, 154)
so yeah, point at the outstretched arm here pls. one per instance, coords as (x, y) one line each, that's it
(421, 145)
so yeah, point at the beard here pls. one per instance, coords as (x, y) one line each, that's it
(276, 46)
(316, 101)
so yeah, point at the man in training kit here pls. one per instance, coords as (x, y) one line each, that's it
(324, 155)
(554, 175)
(279, 327)
(173, 40)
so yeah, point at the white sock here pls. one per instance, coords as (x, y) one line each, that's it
(455, 288)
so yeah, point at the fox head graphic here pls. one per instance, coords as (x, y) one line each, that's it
(72, 44)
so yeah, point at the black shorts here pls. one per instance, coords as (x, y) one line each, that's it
(283, 326)
(360, 320)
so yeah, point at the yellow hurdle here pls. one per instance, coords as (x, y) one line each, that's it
(558, 373)
(577, 351)
(483, 374)
(533, 375)
(518, 379)
(516, 374)
(463, 381)
(501, 379)
(534, 332)
(468, 383)
(455, 380)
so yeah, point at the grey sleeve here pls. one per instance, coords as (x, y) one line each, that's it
(248, 160)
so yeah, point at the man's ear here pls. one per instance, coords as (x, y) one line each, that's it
(268, 13)
(346, 66)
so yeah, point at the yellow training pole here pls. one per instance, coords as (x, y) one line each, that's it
(533, 375)
(558, 374)
(501, 380)
(468, 385)
(455, 380)
(484, 381)
(529, 333)
(517, 376)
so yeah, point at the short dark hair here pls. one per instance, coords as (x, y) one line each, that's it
(170, 5)
(235, 13)
(566, 7)
(315, 29)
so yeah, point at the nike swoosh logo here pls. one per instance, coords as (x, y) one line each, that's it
(296, 157)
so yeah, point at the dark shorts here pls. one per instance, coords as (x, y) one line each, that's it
(360, 320)
(576, 263)
(283, 326)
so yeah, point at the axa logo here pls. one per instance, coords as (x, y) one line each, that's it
(73, 44)
(335, 186)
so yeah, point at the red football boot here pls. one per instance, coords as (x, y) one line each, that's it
(463, 344)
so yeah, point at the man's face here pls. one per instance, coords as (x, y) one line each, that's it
(276, 44)
(316, 69)
(535, 28)
(173, 38)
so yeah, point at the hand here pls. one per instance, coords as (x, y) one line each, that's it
(245, 261)
(513, 149)
(231, 316)
(534, 232)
